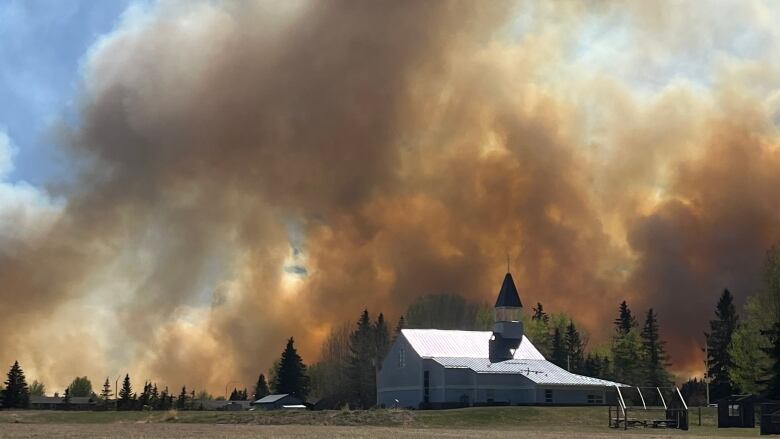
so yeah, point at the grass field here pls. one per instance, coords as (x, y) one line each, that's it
(482, 423)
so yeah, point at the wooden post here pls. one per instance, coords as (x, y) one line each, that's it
(699, 416)
(625, 424)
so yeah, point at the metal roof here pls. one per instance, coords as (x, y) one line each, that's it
(507, 296)
(271, 398)
(469, 350)
(429, 343)
(538, 371)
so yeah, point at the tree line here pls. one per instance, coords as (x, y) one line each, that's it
(743, 354)
(16, 393)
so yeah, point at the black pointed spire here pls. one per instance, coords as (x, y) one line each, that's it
(508, 296)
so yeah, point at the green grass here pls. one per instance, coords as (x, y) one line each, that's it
(568, 419)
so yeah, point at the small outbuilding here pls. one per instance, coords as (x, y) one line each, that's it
(281, 401)
(737, 411)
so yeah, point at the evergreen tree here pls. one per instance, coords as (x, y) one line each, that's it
(718, 340)
(16, 394)
(362, 374)
(655, 358)
(261, 388)
(154, 398)
(592, 365)
(105, 394)
(401, 325)
(191, 399)
(181, 401)
(626, 348)
(164, 402)
(145, 396)
(574, 349)
(382, 340)
(558, 349)
(66, 398)
(292, 377)
(539, 314)
(125, 401)
(625, 321)
(694, 391)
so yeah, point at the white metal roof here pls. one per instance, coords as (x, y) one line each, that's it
(271, 398)
(538, 371)
(469, 350)
(429, 343)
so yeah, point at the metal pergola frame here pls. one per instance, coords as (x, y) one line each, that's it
(672, 417)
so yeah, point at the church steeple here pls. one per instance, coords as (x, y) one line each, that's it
(507, 296)
(508, 329)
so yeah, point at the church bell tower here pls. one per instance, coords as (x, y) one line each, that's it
(508, 329)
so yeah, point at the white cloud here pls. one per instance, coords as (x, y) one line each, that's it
(26, 211)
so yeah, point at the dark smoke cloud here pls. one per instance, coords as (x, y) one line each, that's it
(405, 147)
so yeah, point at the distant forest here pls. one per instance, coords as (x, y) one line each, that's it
(743, 354)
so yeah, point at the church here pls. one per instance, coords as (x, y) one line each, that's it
(433, 368)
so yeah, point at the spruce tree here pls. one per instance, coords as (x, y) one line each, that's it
(125, 401)
(381, 339)
(181, 401)
(145, 396)
(719, 338)
(17, 394)
(66, 398)
(539, 315)
(362, 374)
(574, 349)
(626, 348)
(654, 355)
(558, 348)
(163, 403)
(261, 388)
(625, 322)
(292, 378)
(154, 398)
(398, 327)
(105, 394)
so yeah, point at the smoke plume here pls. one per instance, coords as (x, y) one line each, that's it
(244, 172)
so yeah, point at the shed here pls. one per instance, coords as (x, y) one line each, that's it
(737, 411)
(274, 402)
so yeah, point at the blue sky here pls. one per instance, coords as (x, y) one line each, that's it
(42, 45)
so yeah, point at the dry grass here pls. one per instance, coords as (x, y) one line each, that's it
(182, 431)
(478, 423)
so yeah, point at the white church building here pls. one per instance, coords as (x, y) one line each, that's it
(432, 368)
